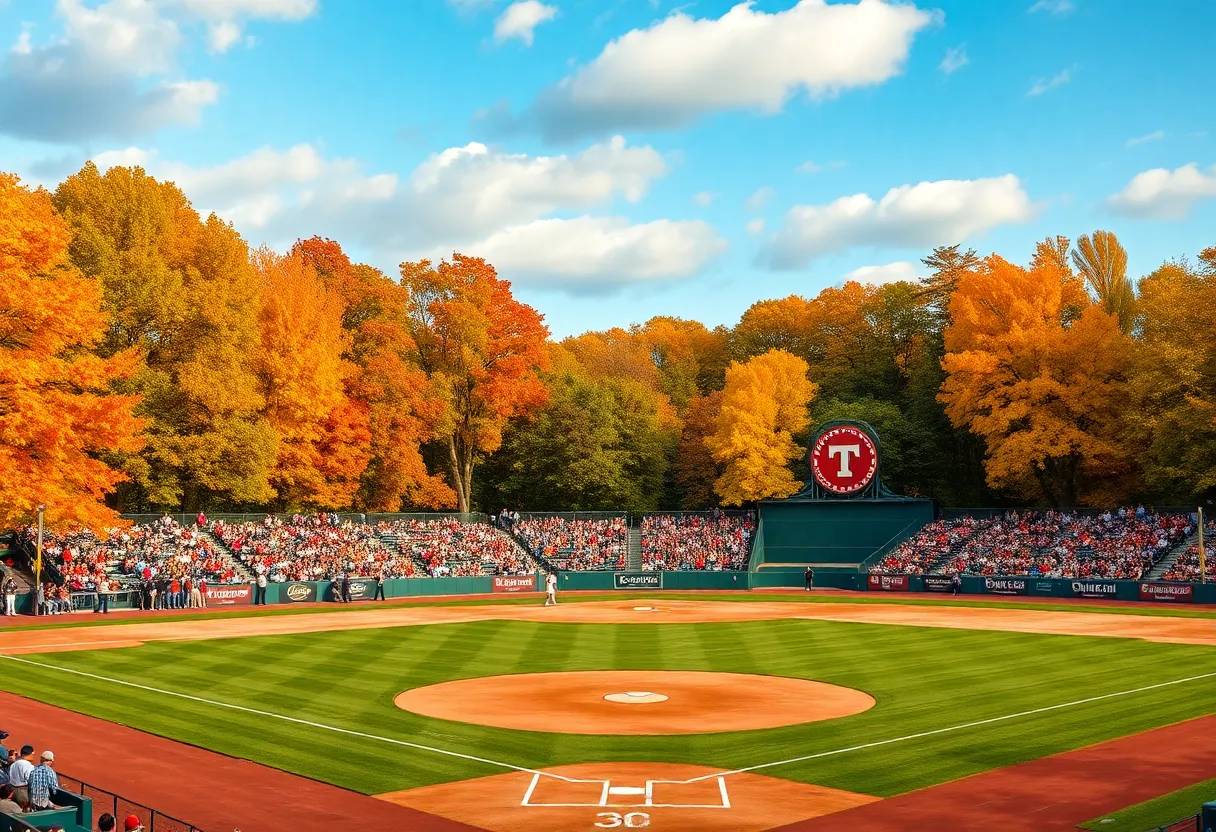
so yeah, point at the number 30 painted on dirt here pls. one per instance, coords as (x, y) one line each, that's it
(632, 820)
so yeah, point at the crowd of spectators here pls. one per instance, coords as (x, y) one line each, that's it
(125, 558)
(1121, 544)
(1186, 568)
(576, 545)
(449, 548)
(324, 546)
(712, 542)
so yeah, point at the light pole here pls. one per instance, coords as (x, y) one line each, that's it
(38, 562)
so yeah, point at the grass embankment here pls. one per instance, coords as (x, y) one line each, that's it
(923, 680)
(1157, 812)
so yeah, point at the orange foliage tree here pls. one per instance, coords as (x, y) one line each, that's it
(764, 404)
(323, 438)
(1046, 393)
(482, 350)
(402, 407)
(56, 412)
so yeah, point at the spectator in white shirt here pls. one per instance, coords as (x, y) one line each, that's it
(19, 775)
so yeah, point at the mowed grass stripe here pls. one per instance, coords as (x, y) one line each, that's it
(922, 678)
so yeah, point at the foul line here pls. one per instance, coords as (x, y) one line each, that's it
(291, 719)
(936, 731)
(533, 771)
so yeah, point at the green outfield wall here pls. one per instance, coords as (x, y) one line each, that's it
(833, 534)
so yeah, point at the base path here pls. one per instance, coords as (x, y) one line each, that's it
(1056, 792)
(653, 702)
(212, 791)
(1114, 625)
(663, 796)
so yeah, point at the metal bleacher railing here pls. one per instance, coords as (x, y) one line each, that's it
(120, 807)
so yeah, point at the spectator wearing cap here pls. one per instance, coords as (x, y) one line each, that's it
(19, 775)
(43, 783)
(8, 806)
(133, 824)
(106, 823)
(3, 748)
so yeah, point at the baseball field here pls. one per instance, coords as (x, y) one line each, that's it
(647, 711)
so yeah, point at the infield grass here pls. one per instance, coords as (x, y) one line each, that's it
(923, 679)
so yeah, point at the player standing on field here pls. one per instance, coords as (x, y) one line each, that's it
(551, 589)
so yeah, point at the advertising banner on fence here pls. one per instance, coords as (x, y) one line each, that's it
(889, 583)
(637, 580)
(1166, 592)
(937, 583)
(298, 593)
(228, 595)
(514, 583)
(1095, 589)
(1005, 586)
(361, 589)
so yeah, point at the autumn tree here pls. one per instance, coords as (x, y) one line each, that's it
(1045, 397)
(323, 440)
(481, 349)
(1102, 261)
(1173, 418)
(764, 403)
(183, 292)
(695, 469)
(401, 405)
(57, 411)
(949, 266)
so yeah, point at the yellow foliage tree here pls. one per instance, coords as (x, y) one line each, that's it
(764, 404)
(1045, 395)
(56, 412)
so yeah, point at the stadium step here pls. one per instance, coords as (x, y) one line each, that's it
(635, 550)
(224, 552)
(1167, 563)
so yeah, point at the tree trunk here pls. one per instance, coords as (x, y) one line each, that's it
(458, 479)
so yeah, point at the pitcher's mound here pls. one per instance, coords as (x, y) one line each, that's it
(652, 702)
(663, 796)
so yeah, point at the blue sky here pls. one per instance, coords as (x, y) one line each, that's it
(618, 159)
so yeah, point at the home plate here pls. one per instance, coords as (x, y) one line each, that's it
(623, 791)
(644, 609)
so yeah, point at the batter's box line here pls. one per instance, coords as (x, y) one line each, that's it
(606, 793)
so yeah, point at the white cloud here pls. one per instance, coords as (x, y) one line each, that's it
(681, 68)
(704, 198)
(813, 167)
(760, 199)
(591, 252)
(519, 20)
(908, 216)
(956, 58)
(470, 198)
(112, 72)
(1162, 194)
(755, 226)
(127, 157)
(880, 275)
(1044, 84)
(1155, 136)
(1059, 8)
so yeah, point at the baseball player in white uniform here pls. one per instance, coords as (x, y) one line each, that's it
(551, 589)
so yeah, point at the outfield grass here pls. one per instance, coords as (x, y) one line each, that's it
(90, 620)
(1157, 812)
(923, 679)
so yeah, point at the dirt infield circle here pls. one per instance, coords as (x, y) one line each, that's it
(599, 702)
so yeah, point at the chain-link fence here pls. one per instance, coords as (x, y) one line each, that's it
(121, 808)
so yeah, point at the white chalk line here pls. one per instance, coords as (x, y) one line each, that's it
(512, 767)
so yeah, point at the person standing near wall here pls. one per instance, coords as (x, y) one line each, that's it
(551, 589)
(380, 586)
(10, 595)
(259, 590)
(809, 577)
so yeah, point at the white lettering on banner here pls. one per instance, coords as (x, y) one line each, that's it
(844, 452)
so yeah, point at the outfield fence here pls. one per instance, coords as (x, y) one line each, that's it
(120, 807)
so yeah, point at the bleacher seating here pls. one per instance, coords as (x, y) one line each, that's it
(696, 542)
(578, 545)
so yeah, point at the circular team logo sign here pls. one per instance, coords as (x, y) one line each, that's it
(844, 459)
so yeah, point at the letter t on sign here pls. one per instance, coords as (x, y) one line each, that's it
(844, 452)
